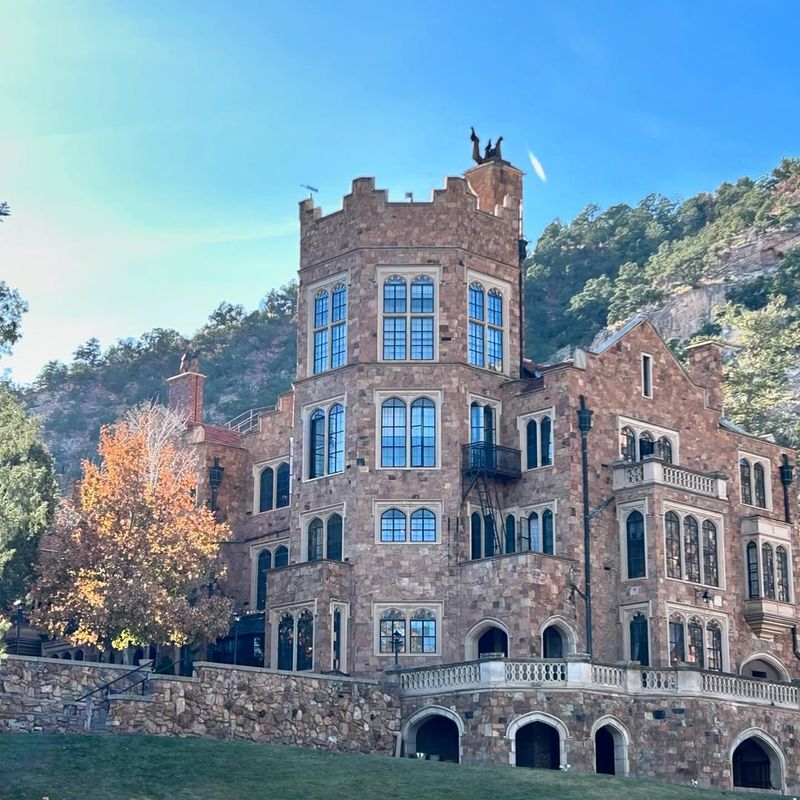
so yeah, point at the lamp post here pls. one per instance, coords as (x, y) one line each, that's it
(584, 426)
(785, 471)
(397, 643)
(18, 605)
(236, 618)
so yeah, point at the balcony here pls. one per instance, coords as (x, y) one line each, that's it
(494, 461)
(655, 471)
(769, 618)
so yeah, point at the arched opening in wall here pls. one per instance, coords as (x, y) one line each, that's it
(765, 668)
(553, 642)
(493, 641)
(756, 765)
(79, 655)
(437, 737)
(538, 746)
(604, 761)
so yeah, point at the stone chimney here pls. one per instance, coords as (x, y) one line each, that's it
(498, 185)
(186, 390)
(704, 362)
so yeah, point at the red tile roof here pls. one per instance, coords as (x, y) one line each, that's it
(214, 434)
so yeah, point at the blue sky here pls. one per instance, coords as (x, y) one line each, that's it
(152, 152)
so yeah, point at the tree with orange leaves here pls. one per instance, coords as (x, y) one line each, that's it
(136, 557)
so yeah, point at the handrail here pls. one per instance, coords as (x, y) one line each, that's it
(247, 421)
(150, 669)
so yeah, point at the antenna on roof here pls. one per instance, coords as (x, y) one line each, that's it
(311, 190)
(410, 196)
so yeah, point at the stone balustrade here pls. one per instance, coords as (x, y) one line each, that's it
(580, 674)
(655, 471)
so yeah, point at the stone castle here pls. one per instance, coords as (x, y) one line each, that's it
(580, 563)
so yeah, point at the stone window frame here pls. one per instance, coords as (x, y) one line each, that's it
(638, 427)
(312, 290)
(705, 616)
(380, 396)
(626, 614)
(504, 288)
(766, 465)
(408, 272)
(484, 402)
(255, 550)
(408, 609)
(295, 609)
(408, 507)
(623, 511)
(343, 607)
(540, 507)
(324, 514)
(701, 515)
(257, 469)
(306, 411)
(647, 361)
(780, 536)
(522, 428)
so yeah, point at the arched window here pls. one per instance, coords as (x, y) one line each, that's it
(695, 630)
(333, 547)
(545, 442)
(753, 583)
(336, 439)
(394, 320)
(488, 536)
(552, 642)
(744, 479)
(393, 526)
(710, 558)
(511, 534)
(714, 647)
(691, 547)
(627, 444)
(646, 444)
(339, 326)
(282, 486)
(423, 526)
(423, 433)
(305, 641)
(664, 449)
(476, 345)
(265, 499)
(392, 621)
(393, 433)
(264, 563)
(532, 431)
(634, 530)
(760, 485)
(316, 455)
(494, 330)
(315, 539)
(672, 534)
(782, 574)
(756, 765)
(321, 323)
(286, 642)
(640, 645)
(677, 646)
(481, 424)
(79, 655)
(67, 655)
(768, 566)
(476, 535)
(534, 532)
(422, 305)
(422, 632)
(548, 534)
(281, 557)
(407, 324)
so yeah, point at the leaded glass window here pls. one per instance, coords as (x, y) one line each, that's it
(640, 645)
(330, 328)
(782, 574)
(696, 650)
(315, 539)
(634, 532)
(408, 329)
(281, 557)
(710, 557)
(511, 534)
(714, 634)
(336, 439)
(768, 567)
(392, 621)
(393, 433)
(548, 534)
(333, 544)
(316, 461)
(286, 642)
(691, 549)
(393, 526)
(264, 563)
(423, 526)
(265, 497)
(476, 535)
(753, 583)
(305, 641)
(672, 533)
(423, 433)
(745, 481)
(760, 485)
(422, 630)
(677, 647)
(283, 485)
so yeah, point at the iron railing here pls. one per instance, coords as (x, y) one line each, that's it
(248, 421)
(491, 459)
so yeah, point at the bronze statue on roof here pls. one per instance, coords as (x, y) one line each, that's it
(489, 154)
(190, 361)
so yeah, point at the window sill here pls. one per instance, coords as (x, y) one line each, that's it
(694, 584)
(538, 469)
(408, 542)
(322, 477)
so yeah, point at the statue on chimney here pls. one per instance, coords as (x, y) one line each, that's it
(190, 361)
(489, 154)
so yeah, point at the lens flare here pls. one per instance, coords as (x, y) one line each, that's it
(538, 168)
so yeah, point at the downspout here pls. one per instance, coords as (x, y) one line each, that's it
(523, 252)
(584, 426)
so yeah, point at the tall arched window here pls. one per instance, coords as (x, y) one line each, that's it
(691, 548)
(696, 650)
(394, 319)
(282, 485)
(315, 539)
(634, 531)
(627, 444)
(548, 534)
(714, 634)
(422, 305)
(760, 485)
(488, 536)
(768, 566)
(534, 532)
(316, 455)
(744, 479)
(677, 645)
(423, 433)
(286, 642)
(305, 641)
(336, 439)
(640, 645)
(511, 534)
(481, 424)
(265, 498)
(476, 535)
(330, 328)
(782, 574)
(476, 345)
(333, 545)
(710, 558)
(532, 437)
(321, 323)
(672, 533)
(392, 622)
(423, 525)
(393, 526)
(753, 583)
(664, 449)
(494, 330)
(339, 326)
(281, 557)
(263, 564)
(646, 444)
(422, 632)
(393, 433)
(545, 442)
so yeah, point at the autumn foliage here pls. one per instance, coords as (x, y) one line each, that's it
(135, 555)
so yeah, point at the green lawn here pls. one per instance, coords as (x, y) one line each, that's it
(34, 766)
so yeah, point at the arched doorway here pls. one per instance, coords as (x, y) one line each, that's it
(538, 746)
(756, 765)
(604, 759)
(553, 645)
(493, 640)
(611, 742)
(438, 736)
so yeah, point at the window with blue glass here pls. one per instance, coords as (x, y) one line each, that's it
(336, 439)
(393, 433)
(486, 325)
(423, 433)
(325, 538)
(330, 328)
(325, 442)
(273, 487)
(393, 526)
(422, 628)
(423, 526)
(408, 318)
(408, 432)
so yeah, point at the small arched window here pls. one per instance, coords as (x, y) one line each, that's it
(768, 566)
(760, 485)
(511, 534)
(552, 642)
(548, 533)
(263, 565)
(534, 532)
(634, 534)
(394, 295)
(532, 437)
(753, 583)
(696, 650)
(646, 444)
(422, 632)
(315, 539)
(305, 641)
(336, 439)
(476, 535)
(333, 545)
(639, 640)
(545, 442)
(316, 437)
(672, 534)
(488, 536)
(265, 499)
(691, 547)
(664, 449)
(782, 574)
(423, 526)
(422, 295)
(282, 486)
(627, 444)
(710, 556)
(281, 557)
(744, 480)
(392, 628)
(286, 642)
(714, 634)
(79, 655)
(677, 645)
(393, 525)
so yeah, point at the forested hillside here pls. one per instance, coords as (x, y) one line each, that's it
(724, 263)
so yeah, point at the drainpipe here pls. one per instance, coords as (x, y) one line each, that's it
(785, 471)
(584, 426)
(523, 252)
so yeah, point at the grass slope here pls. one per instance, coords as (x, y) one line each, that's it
(153, 768)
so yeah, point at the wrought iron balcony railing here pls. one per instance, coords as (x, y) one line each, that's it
(491, 459)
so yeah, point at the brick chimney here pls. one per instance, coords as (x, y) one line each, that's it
(704, 362)
(186, 390)
(493, 182)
